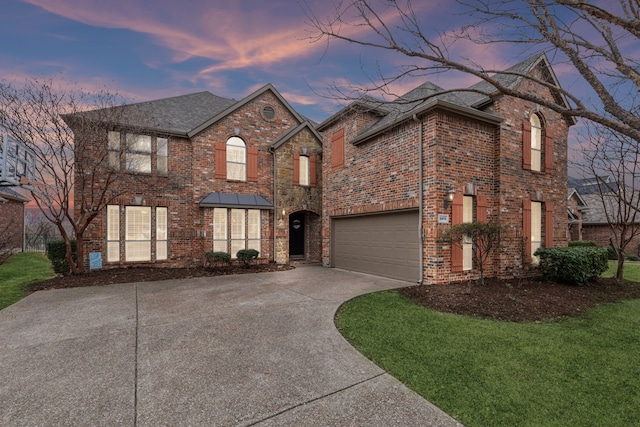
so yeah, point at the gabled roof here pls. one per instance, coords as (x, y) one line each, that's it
(287, 136)
(184, 115)
(468, 102)
(243, 102)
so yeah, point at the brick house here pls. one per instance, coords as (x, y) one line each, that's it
(395, 175)
(200, 173)
(11, 220)
(598, 210)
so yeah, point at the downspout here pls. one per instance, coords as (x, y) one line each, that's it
(420, 200)
(275, 205)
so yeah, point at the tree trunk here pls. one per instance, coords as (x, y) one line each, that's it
(620, 269)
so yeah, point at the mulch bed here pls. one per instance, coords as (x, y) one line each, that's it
(521, 300)
(511, 300)
(147, 274)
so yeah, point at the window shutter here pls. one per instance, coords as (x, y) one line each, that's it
(526, 227)
(481, 209)
(456, 218)
(252, 164)
(548, 225)
(296, 169)
(548, 152)
(526, 145)
(312, 170)
(221, 160)
(337, 149)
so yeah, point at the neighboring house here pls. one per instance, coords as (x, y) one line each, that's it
(11, 220)
(601, 208)
(576, 207)
(204, 173)
(395, 175)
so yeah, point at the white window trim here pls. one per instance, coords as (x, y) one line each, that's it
(235, 229)
(536, 142)
(305, 177)
(137, 236)
(467, 245)
(162, 233)
(536, 229)
(236, 165)
(113, 233)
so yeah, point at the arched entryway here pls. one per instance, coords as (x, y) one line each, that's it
(305, 242)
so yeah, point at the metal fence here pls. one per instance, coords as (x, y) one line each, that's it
(38, 242)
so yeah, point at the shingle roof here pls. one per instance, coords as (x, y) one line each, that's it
(467, 101)
(10, 194)
(235, 200)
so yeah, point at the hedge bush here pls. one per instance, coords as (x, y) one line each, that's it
(247, 256)
(576, 265)
(581, 243)
(57, 254)
(217, 258)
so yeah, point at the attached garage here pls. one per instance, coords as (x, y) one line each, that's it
(383, 244)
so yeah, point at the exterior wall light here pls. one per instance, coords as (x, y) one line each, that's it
(448, 198)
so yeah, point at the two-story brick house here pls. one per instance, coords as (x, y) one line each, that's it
(395, 175)
(200, 173)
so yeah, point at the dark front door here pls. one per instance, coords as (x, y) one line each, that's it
(296, 234)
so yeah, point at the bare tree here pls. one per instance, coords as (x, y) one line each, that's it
(486, 238)
(71, 151)
(610, 164)
(596, 40)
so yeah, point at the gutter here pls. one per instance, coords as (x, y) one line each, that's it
(420, 199)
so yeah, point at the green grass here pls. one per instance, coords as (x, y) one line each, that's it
(19, 271)
(577, 372)
(631, 270)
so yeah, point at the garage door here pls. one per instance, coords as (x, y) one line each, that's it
(384, 244)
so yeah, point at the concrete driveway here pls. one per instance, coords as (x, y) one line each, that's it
(235, 350)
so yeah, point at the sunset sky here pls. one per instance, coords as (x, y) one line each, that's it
(150, 49)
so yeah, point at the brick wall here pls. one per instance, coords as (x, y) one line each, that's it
(11, 225)
(191, 177)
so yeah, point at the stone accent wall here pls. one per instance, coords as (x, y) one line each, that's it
(292, 198)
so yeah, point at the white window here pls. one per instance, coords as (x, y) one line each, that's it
(238, 231)
(113, 233)
(253, 229)
(137, 233)
(467, 245)
(235, 229)
(161, 233)
(536, 143)
(236, 159)
(304, 170)
(220, 230)
(113, 150)
(536, 229)
(162, 151)
(138, 153)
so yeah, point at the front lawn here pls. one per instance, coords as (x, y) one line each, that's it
(19, 271)
(631, 270)
(578, 371)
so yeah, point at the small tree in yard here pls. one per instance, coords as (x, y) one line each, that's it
(486, 238)
(71, 151)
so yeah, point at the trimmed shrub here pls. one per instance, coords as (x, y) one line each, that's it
(576, 266)
(247, 256)
(611, 253)
(632, 258)
(217, 258)
(57, 254)
(581, 243)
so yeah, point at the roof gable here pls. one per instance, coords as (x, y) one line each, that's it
(266, 88)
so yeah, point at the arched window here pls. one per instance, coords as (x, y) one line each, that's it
(536, 142)
(236, 159)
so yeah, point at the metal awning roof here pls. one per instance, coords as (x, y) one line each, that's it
(235, 200)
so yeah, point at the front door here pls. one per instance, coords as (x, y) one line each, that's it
(296, 235)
